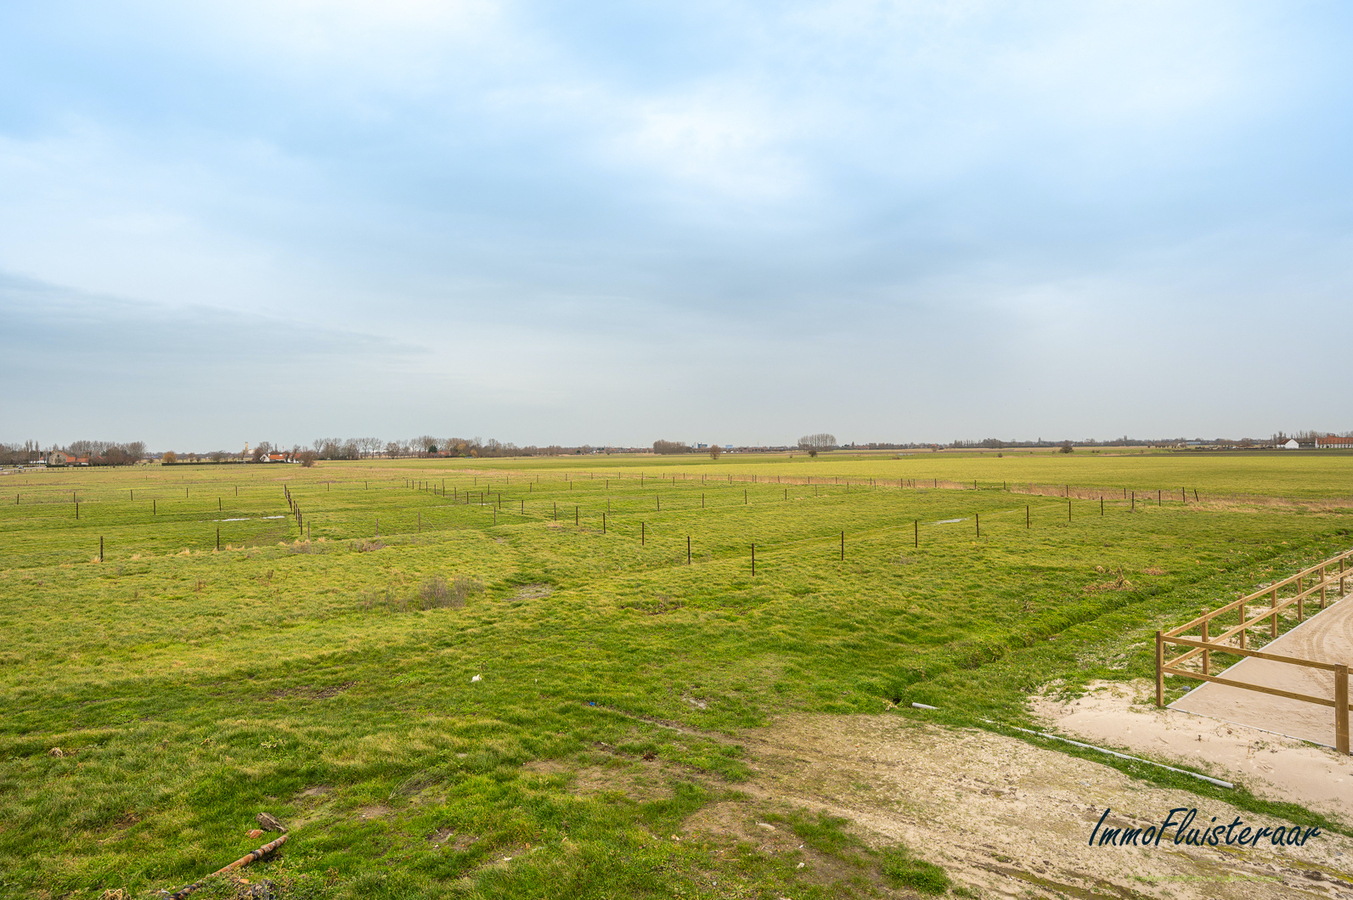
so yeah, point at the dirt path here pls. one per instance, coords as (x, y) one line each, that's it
(1009, 819)
(1327, 637)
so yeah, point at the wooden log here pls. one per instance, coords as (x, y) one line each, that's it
(237, 864)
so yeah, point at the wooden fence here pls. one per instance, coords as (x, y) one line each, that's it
(1232, 639)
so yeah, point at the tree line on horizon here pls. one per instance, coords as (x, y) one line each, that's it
(98, 453)
(114, 453)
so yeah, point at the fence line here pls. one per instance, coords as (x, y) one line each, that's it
(1202, 647)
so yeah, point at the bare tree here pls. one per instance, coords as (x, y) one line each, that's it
(663, 447)
(822, 441)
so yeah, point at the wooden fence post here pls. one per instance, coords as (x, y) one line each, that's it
(218, 543)
(843, 546)
(1341, 708)
(753, 560)
(977, 517)
(916, 537)
(1160, 669)
(643, 533)
(688, 549)
(1207, 654)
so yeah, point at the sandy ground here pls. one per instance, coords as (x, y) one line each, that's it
(1327, 637)
(1123, 716)
(1009, 819)
(1003, 817)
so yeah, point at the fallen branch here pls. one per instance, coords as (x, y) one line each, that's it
(237, 864)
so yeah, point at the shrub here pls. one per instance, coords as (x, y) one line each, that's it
(436, 593)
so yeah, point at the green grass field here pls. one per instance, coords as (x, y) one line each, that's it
(323, 671)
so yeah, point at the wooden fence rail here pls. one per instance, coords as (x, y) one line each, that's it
(1206, 642)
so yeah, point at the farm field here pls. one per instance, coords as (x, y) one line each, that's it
(527, 678)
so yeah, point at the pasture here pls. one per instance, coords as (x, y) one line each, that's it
(419, 671)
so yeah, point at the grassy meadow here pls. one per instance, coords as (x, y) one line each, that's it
(412, 675)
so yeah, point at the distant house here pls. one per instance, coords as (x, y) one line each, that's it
(1331, 441)
(62, 458)
(1290, 445)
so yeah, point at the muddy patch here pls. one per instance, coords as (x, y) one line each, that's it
(640, 780)
(309, 692)
(451, 839)
(375, 811)
(531, 592)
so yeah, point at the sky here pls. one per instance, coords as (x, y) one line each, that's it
(613, 222)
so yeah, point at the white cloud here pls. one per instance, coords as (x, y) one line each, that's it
(719, 147)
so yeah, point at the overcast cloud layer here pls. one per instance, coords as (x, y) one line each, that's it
(615, 222)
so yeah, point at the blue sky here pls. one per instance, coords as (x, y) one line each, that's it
(721, 222)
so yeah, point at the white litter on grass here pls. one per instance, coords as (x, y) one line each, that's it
(283, 517)
(476, 678)
(946, 521)
(230, 520)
